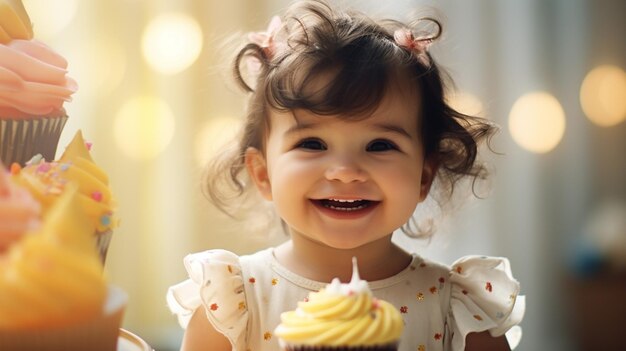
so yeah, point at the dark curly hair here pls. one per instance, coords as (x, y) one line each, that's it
(363, 59)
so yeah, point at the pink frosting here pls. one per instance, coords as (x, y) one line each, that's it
(19, 212)
(33, 79)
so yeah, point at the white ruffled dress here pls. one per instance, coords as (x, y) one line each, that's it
(244, 297)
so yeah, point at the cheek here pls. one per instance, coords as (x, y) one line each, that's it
(404, 185)
(290, 177)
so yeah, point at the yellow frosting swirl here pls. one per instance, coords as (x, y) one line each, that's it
(341, 315)
(53, 277)
(14, 21)
(47, 180)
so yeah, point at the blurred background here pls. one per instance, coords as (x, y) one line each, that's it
(156, 100)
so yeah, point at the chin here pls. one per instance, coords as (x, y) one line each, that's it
(345, 244)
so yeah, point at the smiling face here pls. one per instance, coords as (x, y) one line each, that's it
(344, 183)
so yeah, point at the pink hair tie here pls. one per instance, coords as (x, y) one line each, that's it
(266, 40)
(418, 46)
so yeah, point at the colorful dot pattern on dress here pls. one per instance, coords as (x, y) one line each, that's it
(433, 287)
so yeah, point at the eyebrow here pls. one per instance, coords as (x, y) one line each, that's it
(396, 129)
(300, 127)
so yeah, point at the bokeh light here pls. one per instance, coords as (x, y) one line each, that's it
(214, 136)
(537, 122)
(603, 95)
(50, 17)
(172, 42)
(105, 53)
(144, 127)
(467, 103)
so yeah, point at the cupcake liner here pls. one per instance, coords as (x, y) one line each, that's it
(21, 139)
(103, 239)
(99, 334)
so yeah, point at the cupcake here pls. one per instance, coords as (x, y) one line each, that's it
(33, 87)
(48, 180)
(53, 295)
(19, 212)
(341, 317)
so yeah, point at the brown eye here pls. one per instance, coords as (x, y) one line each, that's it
(311, 144)
(381, 145)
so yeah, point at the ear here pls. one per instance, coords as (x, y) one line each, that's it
(257, 170)
(429, 170)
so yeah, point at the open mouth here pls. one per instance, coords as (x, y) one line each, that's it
(346, 205)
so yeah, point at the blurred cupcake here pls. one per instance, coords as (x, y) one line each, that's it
(53, 295)
(19, 212)
(341, 317)
(48, 180)
(33, 87)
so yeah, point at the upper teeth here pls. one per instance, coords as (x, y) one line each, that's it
(342, 200)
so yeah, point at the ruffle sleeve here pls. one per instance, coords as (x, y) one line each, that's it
(484, 296)
(216, 283)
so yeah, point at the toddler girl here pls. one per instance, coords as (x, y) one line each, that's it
(346, 129)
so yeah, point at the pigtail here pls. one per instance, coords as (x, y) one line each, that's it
(252, 54)
(417, 41)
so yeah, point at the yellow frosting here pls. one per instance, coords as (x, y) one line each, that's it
(53, 276)
(47, 180)
(341, 315)
(14, 21)
(19, 212)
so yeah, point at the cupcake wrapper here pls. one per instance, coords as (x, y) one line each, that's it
(99, 334)
(21, 139)
(103, 239)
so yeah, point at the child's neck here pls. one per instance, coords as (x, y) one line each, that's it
(377, 260)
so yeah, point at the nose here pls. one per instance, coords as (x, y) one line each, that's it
(345, 170)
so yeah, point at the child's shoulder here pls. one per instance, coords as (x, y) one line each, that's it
(471, 264)
(486, 277)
